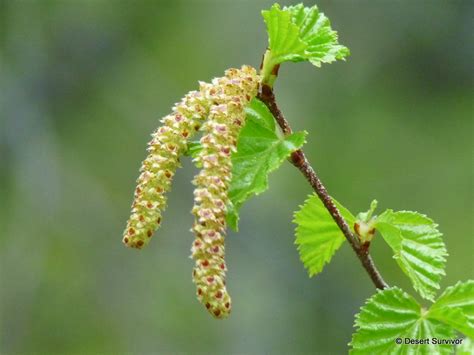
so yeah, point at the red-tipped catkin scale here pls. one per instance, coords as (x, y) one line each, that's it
(231, 94)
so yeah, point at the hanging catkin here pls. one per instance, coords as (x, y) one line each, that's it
(231, 94)
(168, 142)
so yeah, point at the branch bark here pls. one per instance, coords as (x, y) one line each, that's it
(299, 160)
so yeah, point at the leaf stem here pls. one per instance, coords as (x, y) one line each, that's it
(299, 160)
(268, 69)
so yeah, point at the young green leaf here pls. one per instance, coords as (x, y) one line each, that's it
(466, 348)
(283, 35)
(260, 150)
(315, 30)
(298, 33)
(418, 248)
(317, 235)
(456, 307)
(389, 318)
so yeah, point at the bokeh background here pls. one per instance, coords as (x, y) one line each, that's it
(84, 83)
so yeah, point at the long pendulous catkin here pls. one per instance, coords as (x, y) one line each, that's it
(168, 142)
(231, 94)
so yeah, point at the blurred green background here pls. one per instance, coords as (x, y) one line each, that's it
(84, 83)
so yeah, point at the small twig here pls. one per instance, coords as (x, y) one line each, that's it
(299, 160)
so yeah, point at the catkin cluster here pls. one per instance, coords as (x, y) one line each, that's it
(217, 110)
(220, 132)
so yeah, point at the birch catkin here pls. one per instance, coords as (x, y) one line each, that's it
(231, 94)
(168, 142)
(217, 110)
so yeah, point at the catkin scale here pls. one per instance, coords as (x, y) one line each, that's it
(231, 94)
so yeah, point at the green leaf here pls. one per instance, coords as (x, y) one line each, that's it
(392, 314)
(298, 33)
(456, 307)
(317, 235)
(418, 248)
(315, 30)
(466, 348)
(283, 36)
(261, 148)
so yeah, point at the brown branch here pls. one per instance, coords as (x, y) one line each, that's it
(299, 160)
